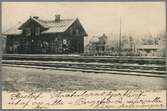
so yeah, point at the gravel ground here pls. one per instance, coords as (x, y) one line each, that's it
(29, 79)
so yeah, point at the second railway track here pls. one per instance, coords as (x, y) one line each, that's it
(140, 66)
(153, 70)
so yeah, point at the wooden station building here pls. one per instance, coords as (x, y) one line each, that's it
(35, 36)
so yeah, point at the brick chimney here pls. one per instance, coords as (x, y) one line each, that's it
(57, 18)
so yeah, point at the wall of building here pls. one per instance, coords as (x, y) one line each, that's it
(48, 43)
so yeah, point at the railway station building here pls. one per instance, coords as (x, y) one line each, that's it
(35, 36)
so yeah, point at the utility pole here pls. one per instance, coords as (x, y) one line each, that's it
(120, 48)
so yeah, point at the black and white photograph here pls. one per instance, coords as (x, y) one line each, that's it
(81, 55)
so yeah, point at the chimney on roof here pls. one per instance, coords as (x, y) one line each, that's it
(36, 17)
(57, 18)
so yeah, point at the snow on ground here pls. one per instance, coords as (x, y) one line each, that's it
(44, 80)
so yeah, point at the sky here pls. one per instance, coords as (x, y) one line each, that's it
(137, 18)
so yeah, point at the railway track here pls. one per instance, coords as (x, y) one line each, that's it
(152, 70)
(140, 66)
(77, 58)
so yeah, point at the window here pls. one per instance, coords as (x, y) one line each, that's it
(37, 31)
(28, 31)
(77, 32)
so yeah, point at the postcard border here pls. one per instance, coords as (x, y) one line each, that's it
(75, 1)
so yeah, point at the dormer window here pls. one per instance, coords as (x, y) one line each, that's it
(28, 31)
(37, 31)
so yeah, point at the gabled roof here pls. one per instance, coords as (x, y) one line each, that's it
(51, 26)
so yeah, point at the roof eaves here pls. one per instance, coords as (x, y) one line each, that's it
(13, 30)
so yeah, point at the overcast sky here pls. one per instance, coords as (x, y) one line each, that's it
(96, 17)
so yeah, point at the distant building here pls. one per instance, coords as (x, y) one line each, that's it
(156, 49)
(146, 50)
(97, 45)
(152, 45)
(57, 36)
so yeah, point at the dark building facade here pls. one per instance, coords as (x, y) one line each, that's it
(59, 36)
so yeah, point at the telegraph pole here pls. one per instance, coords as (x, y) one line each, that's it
(120, 48)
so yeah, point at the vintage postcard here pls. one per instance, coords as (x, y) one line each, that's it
(83, 55)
